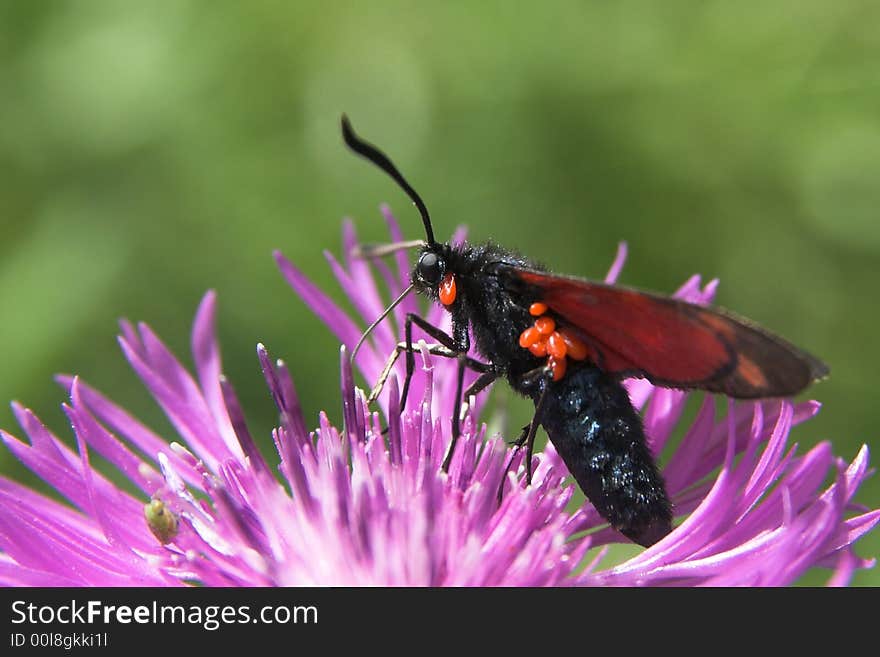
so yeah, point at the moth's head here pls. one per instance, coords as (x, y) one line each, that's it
(432, 275)
(429, 269)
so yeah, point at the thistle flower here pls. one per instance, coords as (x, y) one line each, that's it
(352, 507)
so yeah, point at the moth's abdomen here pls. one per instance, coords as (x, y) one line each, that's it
(597, 432)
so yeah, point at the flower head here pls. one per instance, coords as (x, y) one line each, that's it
(355, 507)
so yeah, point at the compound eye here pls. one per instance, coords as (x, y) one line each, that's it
(431, 268)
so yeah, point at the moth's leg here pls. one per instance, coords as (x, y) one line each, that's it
(461, 345)
(487, 376)
(533, 429)
(434, 350)
(457, 347)
(456, 414)
(518, 443)
(527, 437)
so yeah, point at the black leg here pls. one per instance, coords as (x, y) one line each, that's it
(436, 333)
(533, 429)
(486, 378)
(456, 414)
(518, 443)
(527, 436)
(457, 347)
(435, 350)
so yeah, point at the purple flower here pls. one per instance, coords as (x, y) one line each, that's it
(352, 507)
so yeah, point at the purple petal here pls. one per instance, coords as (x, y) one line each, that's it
(143, 475)
(206, 354)
(124, 424)
(617, 265)
(403, 266)
(365, 298)
(329, 313)
(236, 416)
(189, 415)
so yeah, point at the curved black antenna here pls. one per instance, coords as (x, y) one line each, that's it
(381, 160)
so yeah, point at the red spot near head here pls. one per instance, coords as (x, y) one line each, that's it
(446, 291)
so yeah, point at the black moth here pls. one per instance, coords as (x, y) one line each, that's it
(567, 342)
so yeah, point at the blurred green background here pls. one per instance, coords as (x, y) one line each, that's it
(150, 151)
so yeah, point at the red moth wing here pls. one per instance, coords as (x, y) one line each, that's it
(674, 343)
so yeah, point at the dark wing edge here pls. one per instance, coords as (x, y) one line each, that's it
(767, 365)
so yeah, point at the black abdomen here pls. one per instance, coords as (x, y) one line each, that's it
(597, 432)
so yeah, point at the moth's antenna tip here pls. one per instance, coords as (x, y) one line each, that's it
(377, 157)
(347, 130)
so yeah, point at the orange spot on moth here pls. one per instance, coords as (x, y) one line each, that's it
(539, 348)
(529, 337)
(576, 349)
(751, 372)
(556, 346)
(537, 309)
(557, 367)
(446, 291)
(545, 325)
